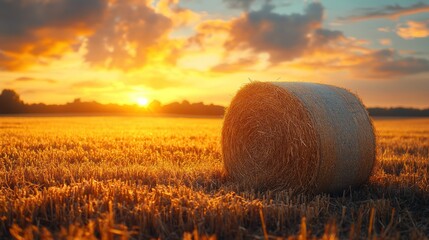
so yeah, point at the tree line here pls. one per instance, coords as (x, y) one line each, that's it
(11, 103)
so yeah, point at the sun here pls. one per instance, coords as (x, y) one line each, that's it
(142, 101)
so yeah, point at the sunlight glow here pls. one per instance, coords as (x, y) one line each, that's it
(142, 101)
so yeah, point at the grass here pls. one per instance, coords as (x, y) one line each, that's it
(140, 178)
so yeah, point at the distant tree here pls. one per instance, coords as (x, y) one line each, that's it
(398, 112)
(10, 102)
(154, 106)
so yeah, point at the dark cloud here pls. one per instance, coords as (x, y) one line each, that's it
(389, 11)
(125, 37)
(247, 4)
(22, 16)
(31, 29)
(324, 36)
(285, 37)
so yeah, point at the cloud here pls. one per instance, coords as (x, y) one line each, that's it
(241, 63)
(384, 29)
(156, 79)
(208, 33)
(130, 33)
(158, 83)
(121, 34)
(389, 11)
(180, 16)
(264, 39)
(384, 64)
(413, 29)
(385, 42)
(284, 37)
(32, 31)
(30, 79)
(239, 4)
(387, 62)
(95, 84)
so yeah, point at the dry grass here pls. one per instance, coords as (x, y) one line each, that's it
(145, 178)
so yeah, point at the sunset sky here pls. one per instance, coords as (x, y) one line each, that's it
(123, 51)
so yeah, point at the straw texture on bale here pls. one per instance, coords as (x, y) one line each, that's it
(302, 136)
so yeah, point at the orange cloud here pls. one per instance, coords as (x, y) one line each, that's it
(30, 79)
(127, 35)
(385, 42)
(209, 33)
(135, 35)
(90, 84)
(414, 29)
(241, 64)
(181, 16)
(33, 32)
(121, 34)
(155, 82)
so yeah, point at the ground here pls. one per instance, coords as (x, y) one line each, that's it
(149, 177)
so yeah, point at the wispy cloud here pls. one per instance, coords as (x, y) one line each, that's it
(386, 63)
(87, 84)
(155, 82)
(240, 4)
(30, 79)
(389, 11)
(385, 42)
(241, 63)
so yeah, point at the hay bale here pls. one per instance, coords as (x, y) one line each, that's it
(304, 136)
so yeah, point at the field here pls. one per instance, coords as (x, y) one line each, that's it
(142, 177)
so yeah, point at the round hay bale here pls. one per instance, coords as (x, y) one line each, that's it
(301, 136)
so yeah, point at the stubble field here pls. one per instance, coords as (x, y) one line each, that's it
(157, 177)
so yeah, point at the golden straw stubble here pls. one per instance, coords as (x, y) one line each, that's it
(268, 140)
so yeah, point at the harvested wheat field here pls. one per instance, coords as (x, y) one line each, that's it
(146, 177)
